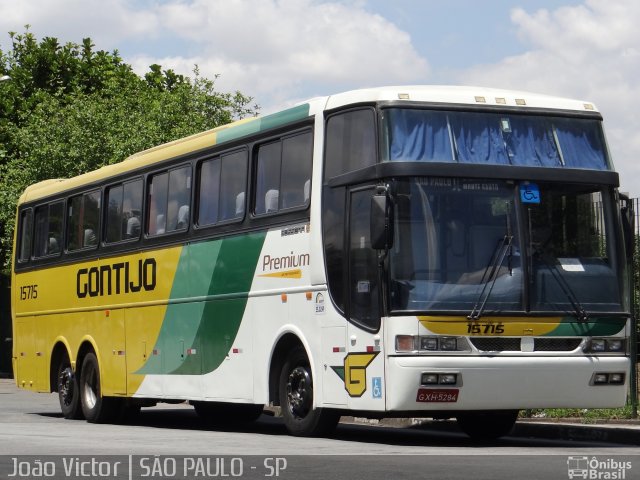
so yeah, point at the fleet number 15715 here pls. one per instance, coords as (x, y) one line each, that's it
(28, 292)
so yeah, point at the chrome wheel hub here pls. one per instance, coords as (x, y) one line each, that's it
(299, 392)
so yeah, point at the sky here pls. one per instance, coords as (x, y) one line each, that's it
(284, 51)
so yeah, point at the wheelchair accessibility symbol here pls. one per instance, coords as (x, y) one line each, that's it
(530, 193)
(376, 387)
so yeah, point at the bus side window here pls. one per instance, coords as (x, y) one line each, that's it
(124, 205)
(26, 235)
(268, 178)
(48, 229)
(157, 203)
(132, 208)
(83, 221)
(297, 153)
(221, 188)
(233, 185)
(179, 199)
(208, 191)
(283, 173)
(351, 142)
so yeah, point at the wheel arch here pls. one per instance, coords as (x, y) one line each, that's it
(86, 345)
(286, 343)
(59, 351)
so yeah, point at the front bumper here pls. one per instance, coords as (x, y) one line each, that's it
(507, 383)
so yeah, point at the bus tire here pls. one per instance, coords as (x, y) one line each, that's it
(296, 399)
(95, 407)
(489, 425)
(68, 391)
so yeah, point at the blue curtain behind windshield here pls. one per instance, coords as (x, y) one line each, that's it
(419, 136)
(531, 142)
(493, 138)
(478, 140)
(582, 147)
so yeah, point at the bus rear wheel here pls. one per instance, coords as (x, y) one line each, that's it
(487, 426)
(95, 407)
(296, 399)
(68, 391)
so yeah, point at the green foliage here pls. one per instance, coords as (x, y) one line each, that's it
(585, 415)
(69, 109)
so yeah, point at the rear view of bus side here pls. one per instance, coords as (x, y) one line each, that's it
(443, 252)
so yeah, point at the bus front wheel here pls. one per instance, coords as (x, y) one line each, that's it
(68, 391)
(95, 407)
(487, 426)
(296, 399)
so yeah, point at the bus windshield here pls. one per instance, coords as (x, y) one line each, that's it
(418, 135)
(462, 244)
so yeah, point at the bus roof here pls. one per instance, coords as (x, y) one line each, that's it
(478, 96)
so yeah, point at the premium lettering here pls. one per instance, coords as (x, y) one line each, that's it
(115, 279)
(289, 261)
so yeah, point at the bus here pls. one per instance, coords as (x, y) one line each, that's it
(414, 251)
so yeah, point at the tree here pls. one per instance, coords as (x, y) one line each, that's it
(69, 109)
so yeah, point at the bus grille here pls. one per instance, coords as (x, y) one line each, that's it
(493, 344)
(556, 344)
(501, 344)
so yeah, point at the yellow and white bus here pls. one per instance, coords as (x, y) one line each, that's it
(446, 252)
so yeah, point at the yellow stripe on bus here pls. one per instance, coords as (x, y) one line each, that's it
(504, 326)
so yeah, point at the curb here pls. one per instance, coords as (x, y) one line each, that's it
(616, 433)
(627, 433)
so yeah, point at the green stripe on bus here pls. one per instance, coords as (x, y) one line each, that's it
(263, 123)
(570, 327)
(196, 337)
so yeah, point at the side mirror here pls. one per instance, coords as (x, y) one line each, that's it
(628, 220)
(381, 222)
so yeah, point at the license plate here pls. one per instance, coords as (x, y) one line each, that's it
(440, 395)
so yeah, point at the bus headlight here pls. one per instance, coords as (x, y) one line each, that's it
(428, 344)
(606, 345)
(615, 345)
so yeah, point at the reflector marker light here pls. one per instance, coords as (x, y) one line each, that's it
(606, 378)
(433, 378)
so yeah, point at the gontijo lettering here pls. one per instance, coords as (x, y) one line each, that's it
(117, 278)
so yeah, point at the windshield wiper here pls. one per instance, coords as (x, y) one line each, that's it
(503, 247)
(493, 269)
(581, 314)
